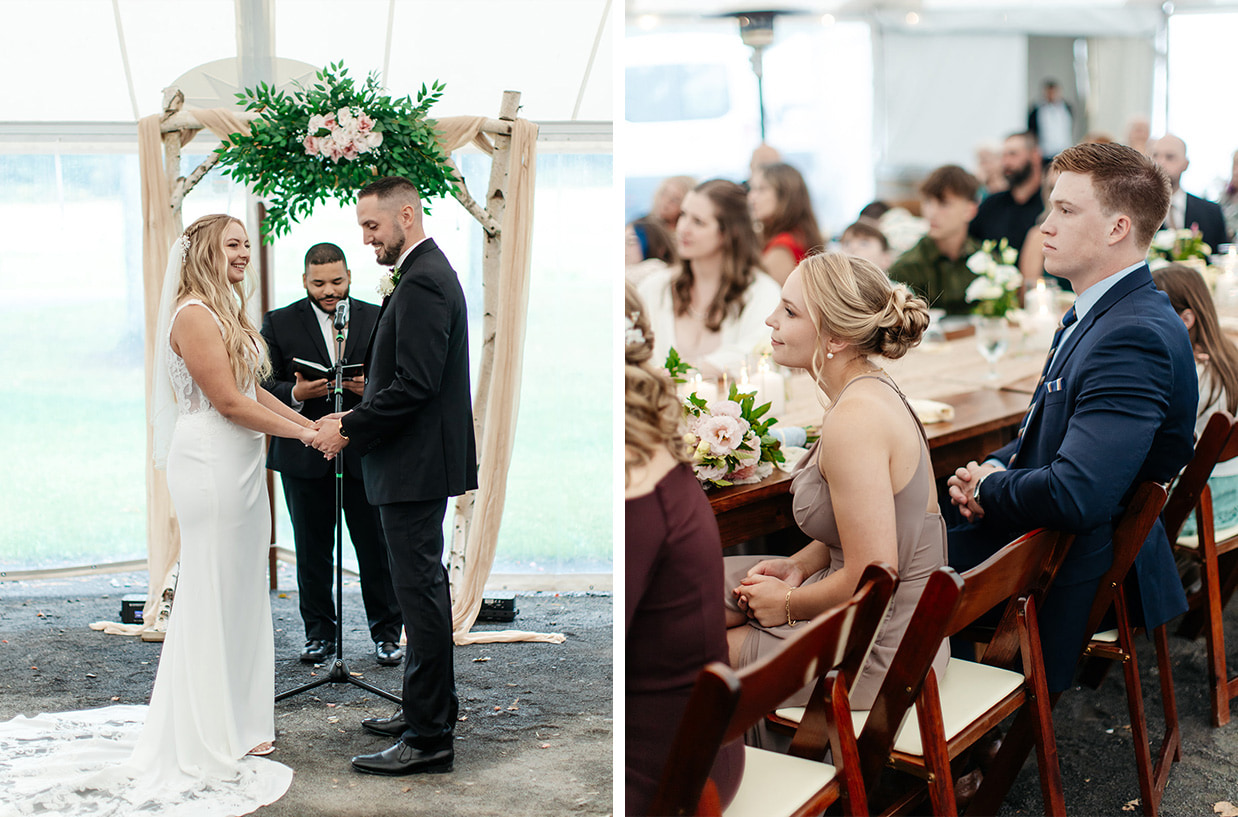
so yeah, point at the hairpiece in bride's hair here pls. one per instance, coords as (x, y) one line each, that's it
(632, 335)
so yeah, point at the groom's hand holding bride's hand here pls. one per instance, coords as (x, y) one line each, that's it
(328, 439)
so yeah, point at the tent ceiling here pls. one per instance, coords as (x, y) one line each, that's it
(68, 62)
(1042, 17)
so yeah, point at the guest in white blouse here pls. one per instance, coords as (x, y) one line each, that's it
(711, 307)
(1216, 362)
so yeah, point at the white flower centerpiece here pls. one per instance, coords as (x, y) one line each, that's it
(995, 289)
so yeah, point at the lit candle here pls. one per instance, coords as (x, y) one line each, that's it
(771, 388)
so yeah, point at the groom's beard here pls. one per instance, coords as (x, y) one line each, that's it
(391, 252)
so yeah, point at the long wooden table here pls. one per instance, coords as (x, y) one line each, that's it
(986, 416)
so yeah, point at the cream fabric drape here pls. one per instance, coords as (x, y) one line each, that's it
(503, 401)
(162, 224)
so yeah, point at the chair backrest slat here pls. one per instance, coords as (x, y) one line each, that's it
(1004, 576)
(1217, 443)
(1128, 537)
(725, 703)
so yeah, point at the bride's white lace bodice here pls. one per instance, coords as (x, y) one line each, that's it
(190, 399)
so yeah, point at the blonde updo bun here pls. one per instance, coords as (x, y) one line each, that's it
(652, 411)
(851, 300)
(903, 323)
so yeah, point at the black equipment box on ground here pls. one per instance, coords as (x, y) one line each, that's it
(131, 609)
(498, 605)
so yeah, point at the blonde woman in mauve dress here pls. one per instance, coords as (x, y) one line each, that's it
(864, 492)
(191, 752)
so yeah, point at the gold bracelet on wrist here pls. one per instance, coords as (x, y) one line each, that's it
(790, 621)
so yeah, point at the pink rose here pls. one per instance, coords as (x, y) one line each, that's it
(328, 121)
(728, 407)
(332, 150)
(373, 139)
(344, 116)
(311, 144)
(723, 433)
(747, 472)
(364, 122)
(350, 151)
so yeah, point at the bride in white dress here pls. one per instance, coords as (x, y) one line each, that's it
(191, 752)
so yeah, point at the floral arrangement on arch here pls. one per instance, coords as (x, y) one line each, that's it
(730, 440)
(1179, 245)
(329, 140)
(995, 289)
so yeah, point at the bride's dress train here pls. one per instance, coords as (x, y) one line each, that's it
(214, 692)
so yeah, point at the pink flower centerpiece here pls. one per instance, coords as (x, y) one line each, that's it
(343, 134)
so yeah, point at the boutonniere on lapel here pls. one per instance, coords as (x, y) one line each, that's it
(387, 282)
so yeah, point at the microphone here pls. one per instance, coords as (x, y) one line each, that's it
(341, 315)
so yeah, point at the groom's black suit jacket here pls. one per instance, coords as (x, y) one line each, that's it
(414, 426)
(294, 331)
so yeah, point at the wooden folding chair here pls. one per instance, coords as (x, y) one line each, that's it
(954, 712)
(973, 698)
(725, 703)
(1128, 537)
(1213, 550)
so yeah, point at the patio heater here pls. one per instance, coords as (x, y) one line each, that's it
(756, 29)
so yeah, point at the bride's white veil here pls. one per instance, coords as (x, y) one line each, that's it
(163, 400)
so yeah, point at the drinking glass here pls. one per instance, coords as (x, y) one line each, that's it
(992, 339)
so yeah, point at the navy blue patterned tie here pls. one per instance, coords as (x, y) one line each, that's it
(1069, 318)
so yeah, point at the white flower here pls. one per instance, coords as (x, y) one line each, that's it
(1007, 276)
(708, 472)
(1009, 255)
(727, 407)
(983, 288)
(981, 263)
(632, 335)
(386, 283)
(1164, 240)
(722, 433)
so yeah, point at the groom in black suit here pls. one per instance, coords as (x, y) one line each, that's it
(414, 430)
(304, 330)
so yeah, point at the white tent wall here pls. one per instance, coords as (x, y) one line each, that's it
(941, 95)
(68, 183)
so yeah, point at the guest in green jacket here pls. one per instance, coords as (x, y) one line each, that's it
(936, 266)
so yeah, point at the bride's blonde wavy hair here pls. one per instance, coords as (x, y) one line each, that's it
(204, 276)
(652, 412)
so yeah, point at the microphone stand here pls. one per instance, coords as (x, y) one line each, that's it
(339, 674)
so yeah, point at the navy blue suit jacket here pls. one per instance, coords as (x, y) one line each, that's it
(1122, 411)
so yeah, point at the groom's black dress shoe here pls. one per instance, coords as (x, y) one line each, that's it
(391, 727)
(317, 651)
(404, 759)
(388, 653)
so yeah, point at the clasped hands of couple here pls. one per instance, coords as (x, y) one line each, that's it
(326, 435)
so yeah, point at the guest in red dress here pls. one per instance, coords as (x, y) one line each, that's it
(673, 625)
(782, 209)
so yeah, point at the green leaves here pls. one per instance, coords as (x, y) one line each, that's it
(276, 162)
(675, 366)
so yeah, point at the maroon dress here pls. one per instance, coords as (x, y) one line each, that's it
(674, 627)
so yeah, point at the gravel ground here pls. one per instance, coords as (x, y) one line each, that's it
(536, 731)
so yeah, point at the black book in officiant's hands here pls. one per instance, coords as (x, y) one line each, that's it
(316, 371)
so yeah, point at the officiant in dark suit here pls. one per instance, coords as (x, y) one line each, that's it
(414, 430)
(304, 330)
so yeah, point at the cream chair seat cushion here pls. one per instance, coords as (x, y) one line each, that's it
(1221, 535)
(775, 785)
(968, 691)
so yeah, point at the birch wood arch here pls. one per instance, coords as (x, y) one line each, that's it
(505, 215)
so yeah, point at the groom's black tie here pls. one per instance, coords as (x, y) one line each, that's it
(1069, 318)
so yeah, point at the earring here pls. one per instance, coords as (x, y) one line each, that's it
(829, 355)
